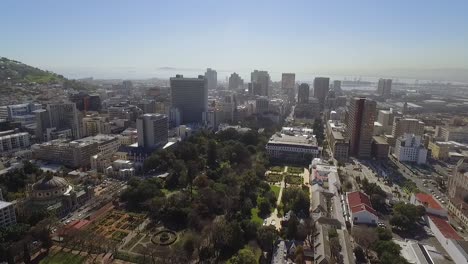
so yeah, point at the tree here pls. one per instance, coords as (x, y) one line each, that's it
(26, 254)
(378, 202)
(387, 246)
(295, 199)
(212, 154)
(264, 207)
(365, 237)
(335, 249)
(405, 215)
(299, 255)
(266, 237)
(384, 233)
(292, 227)
(318, 130)
(244, 256)
(360, 256)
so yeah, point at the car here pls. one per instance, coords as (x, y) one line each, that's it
(437, 197)
(273, 222)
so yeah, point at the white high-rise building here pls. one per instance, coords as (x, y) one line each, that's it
(212, 78)
(409, 147)
(152, 130)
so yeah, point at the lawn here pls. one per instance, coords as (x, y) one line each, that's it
(277, 169)
(293, 179)
(296, 170)
(276, 190)
(255, 217)
(63, 257)
(274, 177)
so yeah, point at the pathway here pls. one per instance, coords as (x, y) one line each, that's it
(274, 215)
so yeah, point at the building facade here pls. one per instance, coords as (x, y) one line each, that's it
(410, 148)
(458, 192)
(260, 83)
(384, 88)
(211, 77)
(360, 128)
(321, 88)
(190, 97)
(152, 130)
(303, 93)
(235, 82)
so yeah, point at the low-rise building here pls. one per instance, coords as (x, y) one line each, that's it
(410, 148)
(360, 209)
(450, 240)
(339, 145)
(441, 149)
(292, 148)
(452, 133)
(380, 147)
(431, 205)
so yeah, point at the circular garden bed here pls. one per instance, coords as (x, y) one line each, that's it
(164, 238)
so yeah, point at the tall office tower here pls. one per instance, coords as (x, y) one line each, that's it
(361, 117)
(337, 87)
(127, 86)
(152, 130)
(190, 97)
(260, 81)
(288, 81)
(211, 77)
(384, 88)
(303, 93)
(385, 118)
(61, 116)
(321, 87)
(235, 82)
(407, 125)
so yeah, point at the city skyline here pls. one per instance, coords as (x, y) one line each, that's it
(148, 39)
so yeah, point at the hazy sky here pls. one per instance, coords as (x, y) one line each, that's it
(136, 38)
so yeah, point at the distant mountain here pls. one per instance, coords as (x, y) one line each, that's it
(12, 72)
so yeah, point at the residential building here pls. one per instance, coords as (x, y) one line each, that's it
(458, 192)
(124, 111)
(152, 130)
(11, 141)
(303, 93)
(338, 144)
(7, 214)
(292, 148)
(321, 88)
(147, 106)
(94, 124)
(409, 148)
(452, 133)
(190, 97)
(260, 82)
(360, 209)
(403, 125)
(361, 117)
(235, 82)
(211, 77)
(22, 113)
(384, 88)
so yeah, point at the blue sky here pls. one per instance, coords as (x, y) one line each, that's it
(136, 38)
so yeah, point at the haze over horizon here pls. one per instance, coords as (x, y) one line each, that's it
(122, 39)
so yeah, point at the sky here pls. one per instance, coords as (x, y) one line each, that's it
(140, 39)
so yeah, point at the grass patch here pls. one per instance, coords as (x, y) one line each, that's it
(276, 190)
(293, 179)
(277, 169)
(274, 177)
(255, 218)
(119, 235)
(63, 257)
(296, 170)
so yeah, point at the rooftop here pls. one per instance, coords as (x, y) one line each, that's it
(4, 204)
(292, 140)
(428, 201)
(359, 201)
(445, 228)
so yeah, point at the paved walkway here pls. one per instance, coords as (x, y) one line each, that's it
(274, 215)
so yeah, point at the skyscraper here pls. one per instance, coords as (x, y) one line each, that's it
(361, 117)
(152, 130)
(190, 97)
(235, 82)
(303, 93)
(288, 81)
(384, 88)
(337, 87)
(58, 117)
(260, 83)
(321, 87)
(211, 78)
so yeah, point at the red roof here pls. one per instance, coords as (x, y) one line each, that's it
(428, 201)
(359, 201)
(445, 228)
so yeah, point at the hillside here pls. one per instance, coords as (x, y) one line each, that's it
(17, 72)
